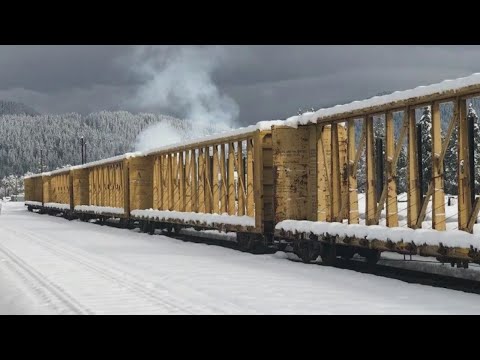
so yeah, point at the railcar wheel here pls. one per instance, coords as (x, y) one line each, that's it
(307, 250)
(372, 257)
(328, 254)
(151, 228)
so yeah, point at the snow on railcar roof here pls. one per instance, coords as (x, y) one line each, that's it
(303, 119)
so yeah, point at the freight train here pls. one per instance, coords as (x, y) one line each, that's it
(292, 182)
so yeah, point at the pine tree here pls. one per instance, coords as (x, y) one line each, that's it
(426, 151)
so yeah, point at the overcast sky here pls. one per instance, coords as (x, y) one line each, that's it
(265, 82)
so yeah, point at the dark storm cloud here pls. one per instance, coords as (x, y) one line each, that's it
(268, 82)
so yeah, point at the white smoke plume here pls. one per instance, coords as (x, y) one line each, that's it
(178, 80)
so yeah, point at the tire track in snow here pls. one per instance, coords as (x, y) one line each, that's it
(109, 272)
(46, 289)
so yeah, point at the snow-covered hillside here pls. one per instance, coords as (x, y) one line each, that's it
(50, 265)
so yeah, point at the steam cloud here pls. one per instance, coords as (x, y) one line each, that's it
(178, 80)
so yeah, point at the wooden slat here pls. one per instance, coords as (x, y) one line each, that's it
(391, 184)
(188, 181)
(201, 181)
(371, 202)
(250, 195)
(170, 182)
(216, 189)
(438, 204)
(323, 181)
(194, 181)
(231, 180)
(353, 217)
(181, 181)
(312, 174)
(343, 149)
(223, 172)
(241, 190)
(413, 193)
(208, 184)
(464, 191)
(335, 172)
(413, 102)
(474, 215)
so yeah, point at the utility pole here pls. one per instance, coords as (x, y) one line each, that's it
(81, 145)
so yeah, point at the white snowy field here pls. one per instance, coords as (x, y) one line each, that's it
(49, 265)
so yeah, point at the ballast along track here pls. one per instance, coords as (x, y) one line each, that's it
(392, 272)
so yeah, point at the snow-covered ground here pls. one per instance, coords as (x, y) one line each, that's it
(51, 265)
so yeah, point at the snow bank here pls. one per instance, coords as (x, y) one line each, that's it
(57, 206)
(452, 238)
(33, 203)
(100, 209)
(206, 219)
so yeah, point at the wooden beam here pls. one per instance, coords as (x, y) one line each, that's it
(371, 202)
(250, 196)
(390, 183)
(464, 191)
(413, 102)
(438, 204)
(335, 171)
(223, 172)
(170, 183)
(413, 193)
(353, 217)
(258, 180)
(216, 190)
(194, 170)
(188, 181)
(312, 181)
(241, 189)
(201, 180)
(474, 215)
(181, 181)
(208, 185)
(231, 179)
(322, 179)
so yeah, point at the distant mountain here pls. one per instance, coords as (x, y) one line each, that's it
(16, 108)
(108, 133)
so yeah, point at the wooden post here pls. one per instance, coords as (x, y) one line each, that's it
(352, 175)
(240, 169)
(322, 179)
(371, 202)
(216, 194)
(170, 182)
(223, 172)
(208, 185)
(194, 171)
(391, 185)
(413, 191)
(250, 196)
(335, 171)
(201, 180)
(182, 181)
(438, 204)
(231, 179)
(312, 174)
(176, 193)
(188, 180)
(464, 190)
